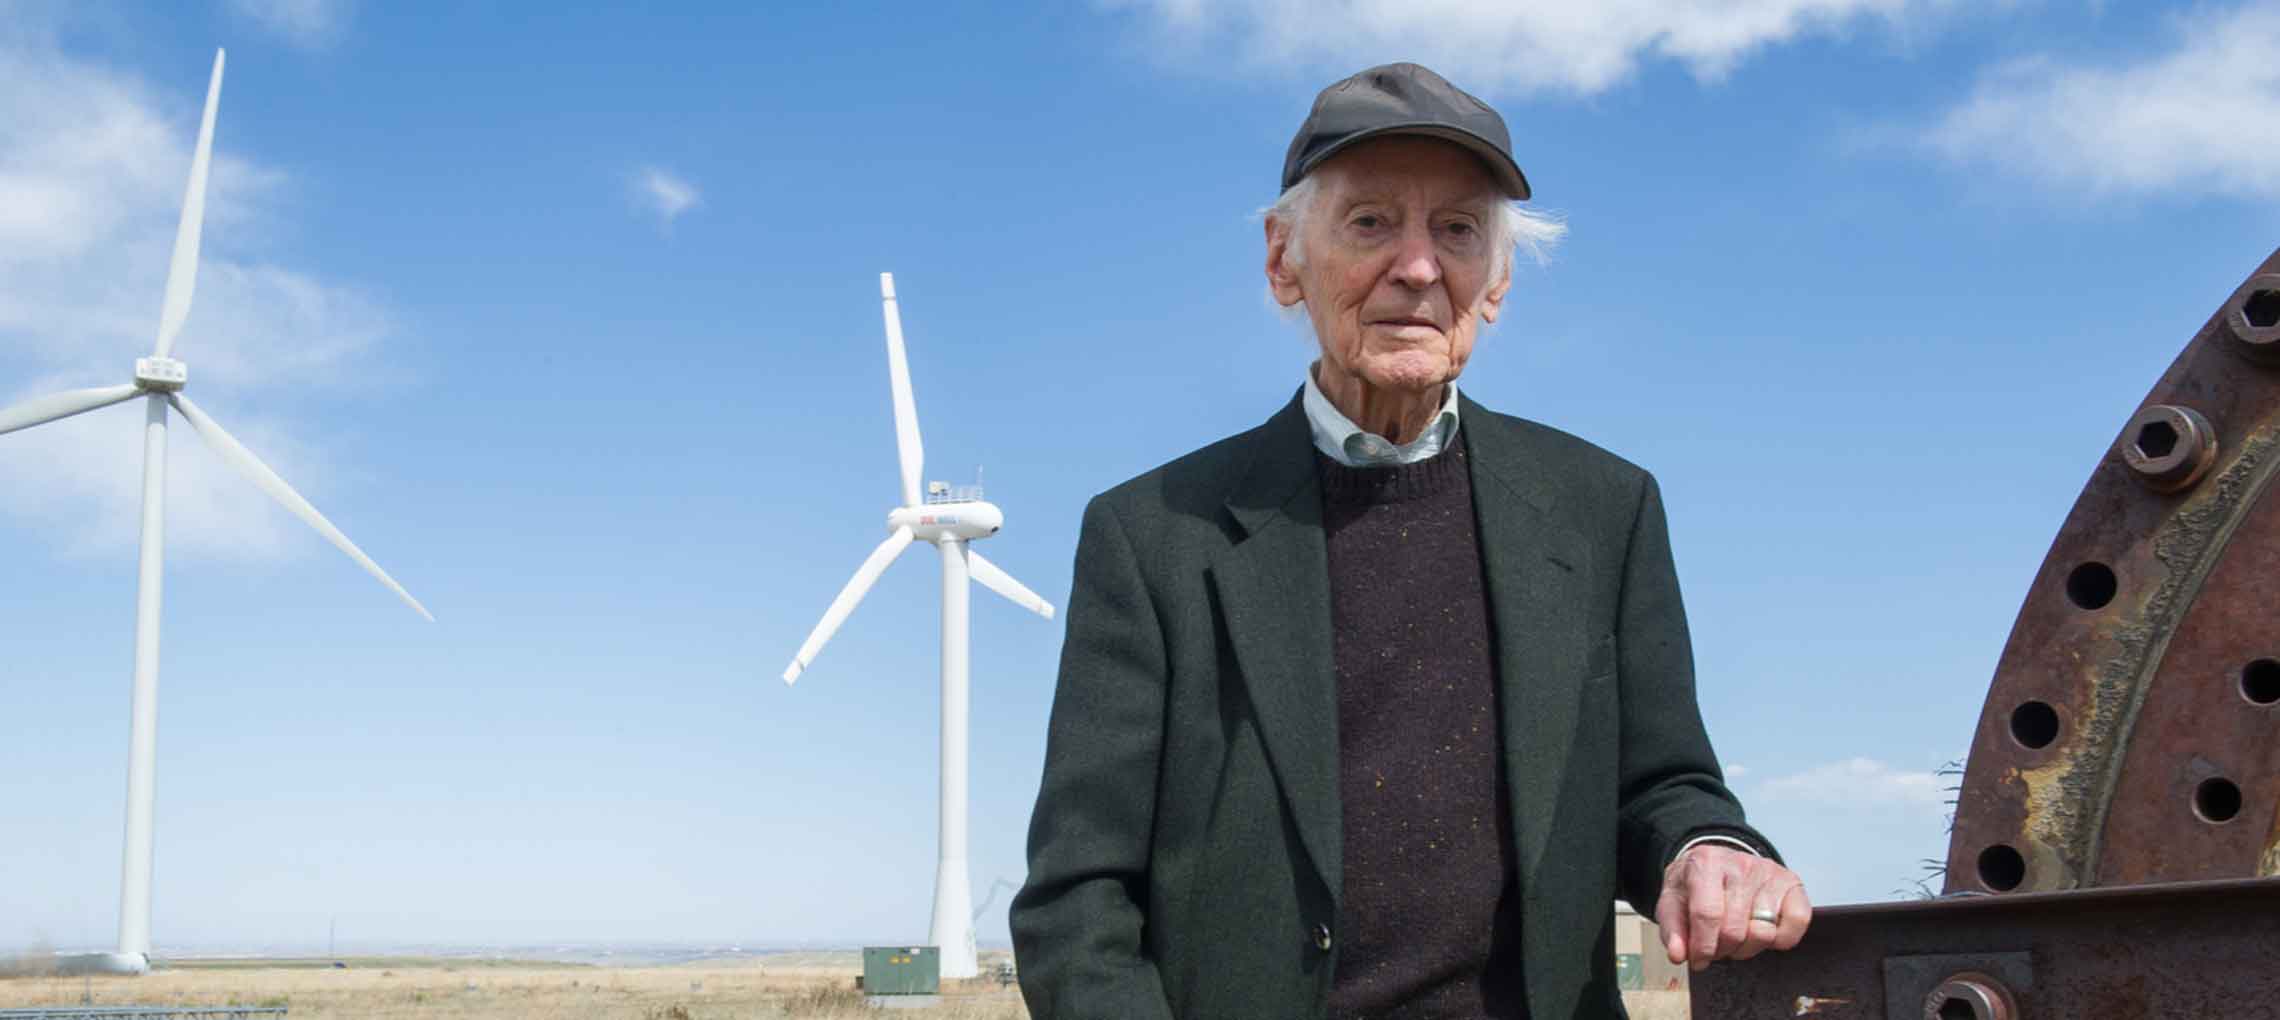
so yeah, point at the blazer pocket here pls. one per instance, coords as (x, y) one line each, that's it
(1600, 664)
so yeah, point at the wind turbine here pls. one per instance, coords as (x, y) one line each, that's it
(159, 380)
(949, 518)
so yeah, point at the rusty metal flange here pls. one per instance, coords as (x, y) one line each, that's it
(2132, 731)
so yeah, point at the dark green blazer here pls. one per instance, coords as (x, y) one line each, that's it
(1184, 852)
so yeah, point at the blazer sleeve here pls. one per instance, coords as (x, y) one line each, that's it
(1079, 920)
(1671, 788)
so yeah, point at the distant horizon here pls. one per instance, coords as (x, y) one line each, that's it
(563, 951)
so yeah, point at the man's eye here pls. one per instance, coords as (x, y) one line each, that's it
(1368, 222)
(1461, 229)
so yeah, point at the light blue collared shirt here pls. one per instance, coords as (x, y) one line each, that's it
(1343, 441)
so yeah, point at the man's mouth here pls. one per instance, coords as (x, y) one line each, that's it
(1399, 322)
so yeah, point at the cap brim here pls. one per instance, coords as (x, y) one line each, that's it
(1500, 166)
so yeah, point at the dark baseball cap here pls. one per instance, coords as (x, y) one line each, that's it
(1401, 99)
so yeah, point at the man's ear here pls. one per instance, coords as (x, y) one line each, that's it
(1282, 275)
(1493, 302)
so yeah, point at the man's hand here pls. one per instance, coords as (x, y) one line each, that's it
(1708, 896)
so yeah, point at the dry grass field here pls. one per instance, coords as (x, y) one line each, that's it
(818, 986)
(821, 986)
(1656, 1005)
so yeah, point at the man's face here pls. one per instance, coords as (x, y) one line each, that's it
(1395, 262)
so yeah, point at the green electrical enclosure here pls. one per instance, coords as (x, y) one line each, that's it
(902, 970)
(1630, 972)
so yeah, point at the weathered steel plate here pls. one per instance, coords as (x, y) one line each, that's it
(2185, 951)
(2132, 731)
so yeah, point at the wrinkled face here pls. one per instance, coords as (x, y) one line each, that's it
(1395, 263)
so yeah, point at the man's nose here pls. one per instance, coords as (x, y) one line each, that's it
(1415, 264)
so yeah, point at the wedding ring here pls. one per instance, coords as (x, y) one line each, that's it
(1767, 916)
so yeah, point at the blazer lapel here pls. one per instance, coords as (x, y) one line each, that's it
(1274, 592)
(1535, 571)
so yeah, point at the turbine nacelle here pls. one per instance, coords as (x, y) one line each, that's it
(161, 375)
(935, 522)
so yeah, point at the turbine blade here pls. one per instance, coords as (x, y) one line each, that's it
(907, 445)
(41, 410)
(857, 586)
(227, 446)
(182, 276)
(1003, 583)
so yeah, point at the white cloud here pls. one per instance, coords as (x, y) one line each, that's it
(92, 166)
(1856, 829)
(1854, 781)
(2197, 116)
(311, 24)
(659, 191)
(1573, 46)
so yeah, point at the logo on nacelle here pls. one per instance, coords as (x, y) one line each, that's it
(958, 521)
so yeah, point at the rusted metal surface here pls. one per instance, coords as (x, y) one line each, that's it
(2199, 784)
(2131, 734)
(2187, 951)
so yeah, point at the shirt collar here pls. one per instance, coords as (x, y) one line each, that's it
(1343, 441)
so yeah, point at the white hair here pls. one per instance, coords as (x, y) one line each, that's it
(1511, 228)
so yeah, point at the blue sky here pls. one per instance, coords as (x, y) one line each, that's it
(569, 318)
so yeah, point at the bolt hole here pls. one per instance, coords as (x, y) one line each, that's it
(1957, 1009)
(2216, 800)
(2262, 309)
(2034, 725)
(2091, 585)
(2260, 681)
(2001, 868)
(2155, 439)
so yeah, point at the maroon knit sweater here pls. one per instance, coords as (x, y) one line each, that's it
(1430, 925)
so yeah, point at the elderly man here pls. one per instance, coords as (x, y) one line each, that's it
(1373, 710)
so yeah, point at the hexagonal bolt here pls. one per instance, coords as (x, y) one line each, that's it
(2253, 317)
(2169, 448)
(1970, 996)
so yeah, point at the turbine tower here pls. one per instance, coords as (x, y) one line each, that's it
(159, 380)
(949, 518)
